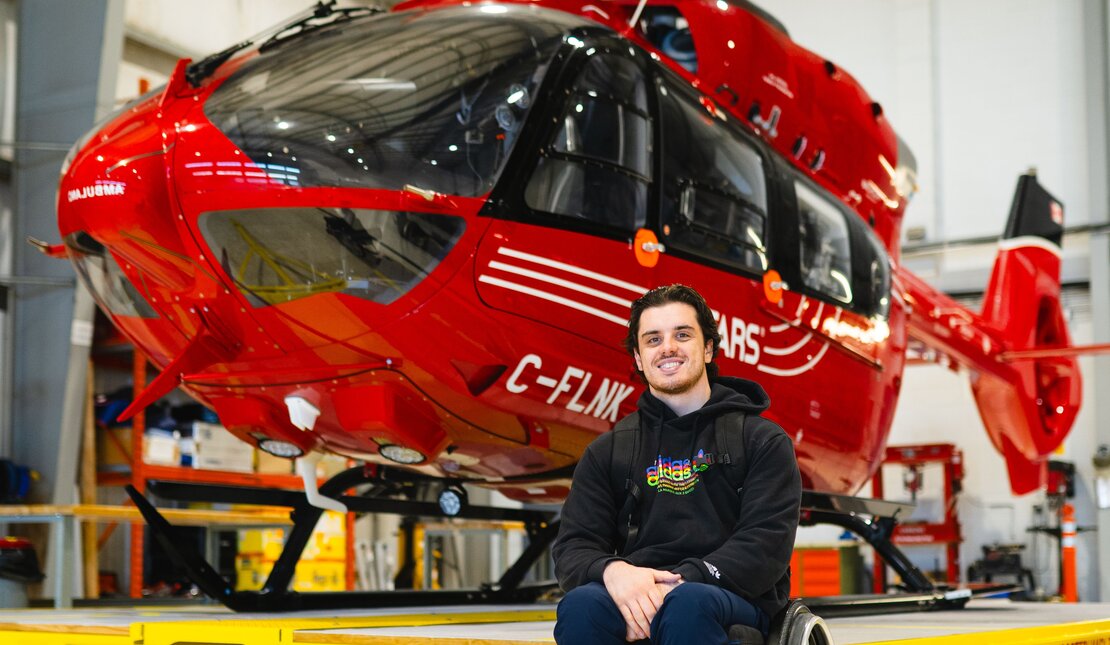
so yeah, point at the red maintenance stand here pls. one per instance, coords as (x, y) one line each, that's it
(913, 459)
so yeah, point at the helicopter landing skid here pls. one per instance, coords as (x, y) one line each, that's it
(275, 595)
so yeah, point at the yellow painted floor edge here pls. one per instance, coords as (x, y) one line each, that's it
(293, 623)
(289, 629)
(251, 630)
(92, 630)
(57, 637)
(1093, 632)
(359, 639)
(318, 630)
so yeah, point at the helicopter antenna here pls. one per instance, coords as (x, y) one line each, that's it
(636, 16)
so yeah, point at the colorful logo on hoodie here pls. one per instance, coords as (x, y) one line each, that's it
(677, 476)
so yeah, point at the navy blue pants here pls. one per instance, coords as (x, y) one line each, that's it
(692, 612)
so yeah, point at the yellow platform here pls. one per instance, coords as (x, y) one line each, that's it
(982, 622)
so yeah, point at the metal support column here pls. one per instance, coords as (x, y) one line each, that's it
(1100, 323)
(68, 57)
(1097, 55)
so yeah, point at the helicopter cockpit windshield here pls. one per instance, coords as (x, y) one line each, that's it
(434, 100)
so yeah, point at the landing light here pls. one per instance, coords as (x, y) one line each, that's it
(401, 454)
(452, 499)
(280, 448)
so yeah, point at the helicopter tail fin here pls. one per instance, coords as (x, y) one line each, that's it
(1028, 417)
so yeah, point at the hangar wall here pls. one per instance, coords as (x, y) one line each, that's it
(7, 135)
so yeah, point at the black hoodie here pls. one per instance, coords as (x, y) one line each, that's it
(692, 523)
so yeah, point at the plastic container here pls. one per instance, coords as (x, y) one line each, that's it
(19, 566)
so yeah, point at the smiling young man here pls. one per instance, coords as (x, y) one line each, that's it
(681, 521)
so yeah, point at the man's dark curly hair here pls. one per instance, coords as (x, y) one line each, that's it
(660, 296)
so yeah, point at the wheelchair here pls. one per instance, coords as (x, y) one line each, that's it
(794, 625)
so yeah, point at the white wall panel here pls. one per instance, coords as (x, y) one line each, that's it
(1011, 76)
(202, 27)
(980, 90)
(130, 76)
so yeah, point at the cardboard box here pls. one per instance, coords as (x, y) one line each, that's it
(329, 539)
(313, 575)
(320, 576)
(267, 464)
(160, 447)
(217, 449)
(261, 543)
(251, 572)
(113, 449)
(330, 466)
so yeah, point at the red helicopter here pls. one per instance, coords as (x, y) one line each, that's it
(412, 237)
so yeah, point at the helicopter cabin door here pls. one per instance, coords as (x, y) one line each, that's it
(567, 247)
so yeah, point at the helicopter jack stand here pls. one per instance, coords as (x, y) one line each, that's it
(276, 596)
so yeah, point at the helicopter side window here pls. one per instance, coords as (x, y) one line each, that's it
(102, 274)
(598, 165)
(873, 273)
(826, 259)
(714, 192)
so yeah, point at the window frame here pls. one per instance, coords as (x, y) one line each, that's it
(731, 127)
(863, 245)
(507, 199)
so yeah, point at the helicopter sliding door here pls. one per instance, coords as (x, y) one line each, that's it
(558, 259)
(714, 205)
(560, 252)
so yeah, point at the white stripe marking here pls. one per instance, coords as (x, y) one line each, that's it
(775, 351)
(796, 370)
(543, 295)
(543, 277)
(555, 264)
(805, 368)
(797, 317)
(1029, 240)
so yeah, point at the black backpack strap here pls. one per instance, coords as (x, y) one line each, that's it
(623, 486)
(731, 438)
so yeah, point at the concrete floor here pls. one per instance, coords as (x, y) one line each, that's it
(986, 615)
(357, 626)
